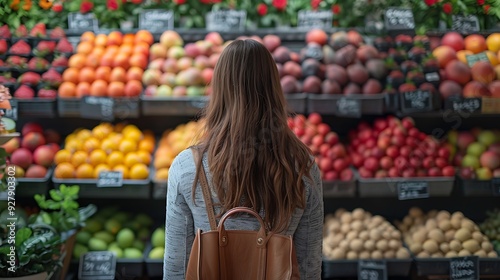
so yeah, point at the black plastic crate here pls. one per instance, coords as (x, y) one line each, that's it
(154, 267)
(28, 187)
(349, 268)
(172, 106)
(68, 107)
(89, 189)
(441, 266)
(387, 187)
(123, 108)
(339, 188)
(330, 104)
(475, 187)
(297, 103)
(36, 107)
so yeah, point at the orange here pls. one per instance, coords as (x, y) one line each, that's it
(119, 127)
(77, 61)
(99, 88)
(126, 49)
(103, 73)
(87, 75)
(97, 157)
(144, 157)
(82, 89)
(133, 134)
(78, 158)
(493, 42)
(101, 40)
(134, 73)
(144, 36)
(129, 128)
(62, 156)
(92, 60)
(87, 36)
(133, 88)
(64, 171)
(98, 51)
(123, 169)
(462, 55)
(84, 47)
(99, 168)
(162, 162)
(492, 57)
(71, 137)
(138, 60)
(128, 39)
(115, 158)
(475, 43)
(118, 74)
(85, 171)
(107, 59)
(71, 75)
(116, 89)
(139, 172)
(91, 144)
(127, 146)
(161, 174)
(83, 134)
(122, 60)
(131, 159)
(146, 145)
(142, 48)
(67, 90)
(73, 145)
(108, 145)
(111, 50)
(100, 132)
(115, 38)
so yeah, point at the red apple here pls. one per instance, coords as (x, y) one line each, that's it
(331, 138)
(467, 173)
(357, 160)
(449, 171)
(441, 162)
(346, 175)
(409, 173)
(323, 129)
(381, 174)
(365, 173)
(331, 176)
(325, 164)
(340, 164)
(428, 163)
(386, 162)
(393, 172)
(371, 164)
(405, 151)
(314, 118)
(435, 172)
(392, 151)
(444, 152)
(401, 163)
(415, 162)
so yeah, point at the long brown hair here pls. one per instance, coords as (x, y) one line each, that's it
(255, 159)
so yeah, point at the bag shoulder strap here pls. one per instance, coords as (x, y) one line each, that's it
(205, 189)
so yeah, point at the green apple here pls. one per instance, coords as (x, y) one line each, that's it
(83, 237)
(157, 253)
(104, 236)
(453, 137)
(476, 149)
(195, 91)
(79, 250)
(486, 137)
(132, 253)
(158, 238)
(97, 245)
(484, 173)
(117, 251)
(125, 238)
(163, 90)
(470, 161)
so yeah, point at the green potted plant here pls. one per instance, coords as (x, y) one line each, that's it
(43, 247)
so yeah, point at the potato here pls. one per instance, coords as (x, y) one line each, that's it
(344, 244)
(468, 224)
(346, 218)
(481, 254)
(456, 223)
(437, 255)
(415, 212)
(436, 235)
(443, 215)
(334, 227)
(369, 245)
(458, 215)
(456, 246)
(451, 254)
(492, 254)
(356, 245)
(337, 239)
(376, 255)
(382, 245)
(471, 245)
(420, 236)
(389, 254)
(419, 221)
(431, 224)
(396, 235)
(432, 214)
(464, 253)
(338, 254)
(408, 221)
(352, 255)
(463, 235)
(339, 212)
(357, 226)
(394, 244)
(416, 248)
(364, 255)
(430, 246)
(444, 247)
(444, 225)
(345, 228)
(351, 235)
(329, 217)
(386, 234)
(476, 235)
(364, 235)
(450, 235)
(486, 246)
(358, 214)
(402, 253)
(375, 234)
(423, 254)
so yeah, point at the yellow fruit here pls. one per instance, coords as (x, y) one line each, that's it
(127, 146)
(134, 135)
(62, 156)
(129, 128)
(123, 169)
(85, 171)
(144, 157)
(139, 172)
(97, 157)
(492, 57)
(108, 145)
(70, 138)
(83, 134)
(99, 132)
(99, 168)
(493, 42)
(146, 145)
(162, 162)
(161, 174)
(131, 159)
(78, 158)
(115, 158)
(119, 127)
(91, 144)
(64, 171)
(73, 145)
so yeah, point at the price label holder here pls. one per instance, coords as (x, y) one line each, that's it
(349, 107)
(399, 21)
(226, 20)
(465, 24)
(156, 20)
(372, 270)
(469, 105)
(79, 21)
(97, 108)
(416, 101)
(473, 58)
(11, 113)
(464, 268)
(432, 77)
(99, 265)
(495, 186)
(413, 190)
(314, 19)
(110, 179)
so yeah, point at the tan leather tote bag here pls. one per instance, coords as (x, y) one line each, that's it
(239, 254)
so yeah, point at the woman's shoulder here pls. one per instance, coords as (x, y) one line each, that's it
(183, 162)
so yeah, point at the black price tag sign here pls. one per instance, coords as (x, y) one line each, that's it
(470, 105)
(465, 24)
(98, 108)
(372, 270)
(473, 58)
(495, 185)
(156, 20)
(464, 268)
(432, 77)
(226, 20)
(82, 21)
(110, 179)
(314, 19)
(417, 101)
(349, 107)
(412, 190)
(399, 20)
(99, 265)
(12, 112)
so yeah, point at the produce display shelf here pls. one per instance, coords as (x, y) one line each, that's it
(4, 138)
(125, 268)
(28, 187)
(475, 187)
(297, 102)
(159, 190)
(154, 267)
(123, 107)
(339, 188)
(36, 107)
(387, 187)
(349, 268)
(441, 266)
(89, 189)
(370, 104)
(172, 106)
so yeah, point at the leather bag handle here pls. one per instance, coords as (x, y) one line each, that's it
(261, 234)
(207, 196)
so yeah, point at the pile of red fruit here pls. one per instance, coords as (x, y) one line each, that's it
(34, 61)
(396, 148)
(331, 155)
(34, 153)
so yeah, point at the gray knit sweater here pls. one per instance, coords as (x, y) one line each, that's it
(184, 218)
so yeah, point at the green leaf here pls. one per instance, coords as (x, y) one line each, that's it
(55, 195)
(23, 234)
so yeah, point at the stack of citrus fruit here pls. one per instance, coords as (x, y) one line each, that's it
(107, 65)
(105, 148)
(171, 144)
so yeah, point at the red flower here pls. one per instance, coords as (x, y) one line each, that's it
(124, 1)
(179, 2)
(315, 4)
(86, 7)
(447, 8)
(480, 2)
(112, 5)
(430, 2)
(262, 9)
(486, 8)
(58, 7)
(205, 1)
(279, 4)
(137, 2)
(336, 9)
